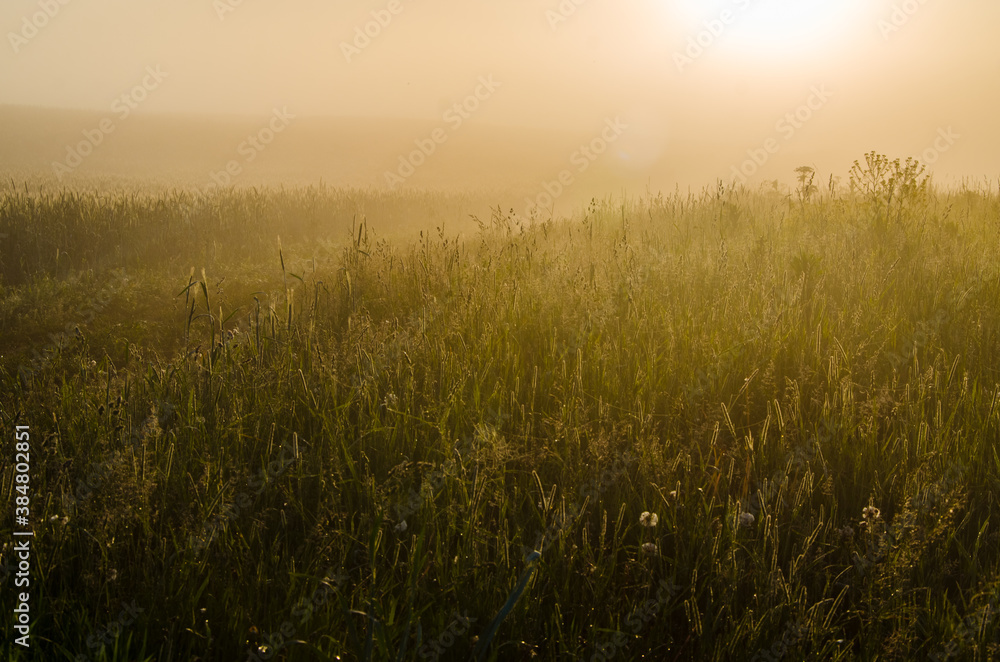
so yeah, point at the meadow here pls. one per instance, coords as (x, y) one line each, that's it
(322, 424)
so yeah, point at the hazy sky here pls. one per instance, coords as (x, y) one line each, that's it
(855, 74)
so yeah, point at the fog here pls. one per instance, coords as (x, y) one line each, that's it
(496, 93)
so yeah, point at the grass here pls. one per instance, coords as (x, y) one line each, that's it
(346, 447)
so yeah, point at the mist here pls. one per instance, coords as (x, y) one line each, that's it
(498, 95)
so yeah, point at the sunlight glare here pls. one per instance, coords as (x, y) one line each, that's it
(772, 26)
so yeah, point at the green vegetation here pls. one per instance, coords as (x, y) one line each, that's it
(339, 447)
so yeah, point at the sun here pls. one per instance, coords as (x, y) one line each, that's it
(764, 27)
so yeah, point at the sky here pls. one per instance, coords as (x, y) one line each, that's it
(750, 81)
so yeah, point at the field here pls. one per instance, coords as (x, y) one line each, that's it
(322, 424)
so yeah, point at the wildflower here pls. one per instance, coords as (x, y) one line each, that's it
(649, 548)
(746, 519)
(673, 495)
(401, 527)
(54, 518)
(871, 514)
(648, 519)
(113, 575)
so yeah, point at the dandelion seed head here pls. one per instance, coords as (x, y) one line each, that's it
(871, 514)
(747, 519)
(650, 548)
(648, 519)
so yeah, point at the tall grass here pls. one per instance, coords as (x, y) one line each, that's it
(348, 448)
